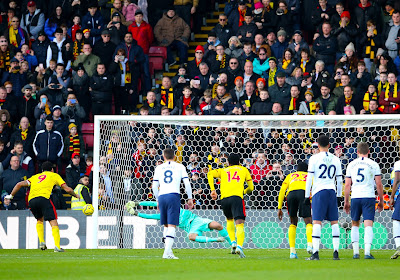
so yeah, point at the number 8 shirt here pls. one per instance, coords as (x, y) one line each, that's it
(41, 185)
(232, 180)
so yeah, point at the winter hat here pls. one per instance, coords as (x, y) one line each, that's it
(199, 48)
(350, 46)
(261, 80)
(239, 78)
(345, 14)
(258, 5)
(281, 33)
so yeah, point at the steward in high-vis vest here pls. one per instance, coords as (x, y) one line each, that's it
(84, 194)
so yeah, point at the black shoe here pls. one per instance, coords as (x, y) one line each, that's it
(336, 256)
(314, 257)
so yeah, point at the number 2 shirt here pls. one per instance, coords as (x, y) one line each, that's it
(42, 184)
(362, 172)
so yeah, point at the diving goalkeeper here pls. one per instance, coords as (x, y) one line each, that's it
(188, 221)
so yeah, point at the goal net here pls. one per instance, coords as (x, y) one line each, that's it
(128, 148)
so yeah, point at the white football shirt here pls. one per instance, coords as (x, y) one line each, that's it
(324, 173)
(167, 179)
(362, 172)
(396, 167)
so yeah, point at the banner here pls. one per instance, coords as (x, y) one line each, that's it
(18, 231)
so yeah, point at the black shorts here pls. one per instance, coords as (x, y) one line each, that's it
(233, 208)
(43, 207)
(295, 204)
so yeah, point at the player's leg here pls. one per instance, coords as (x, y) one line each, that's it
(333, 216)
(293, 207)
(40, 232)
(50, 214)
(36, 209)
(396, 235)
(335, 239)
(56, 235)
(239, 214)
(172, 205)
(368, 212)
(396, 228)
(319, 212)
(355, 212)
(222, 232)
(309, 230)
(305, 213)
(230, 223)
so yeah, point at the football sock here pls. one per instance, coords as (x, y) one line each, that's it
(355, 239)
(368, 237)
(292, 238)
(230, 227)
(40, 231)
(165, 231)
(148, 203)
(149, 216)
(240, 234)
(224, 234)
(169, 240)
(396, 232)
(204, 239)
(335, 237)
(316, 237)
(56, 235)
(309, 229)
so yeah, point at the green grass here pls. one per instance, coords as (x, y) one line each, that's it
(193, 264)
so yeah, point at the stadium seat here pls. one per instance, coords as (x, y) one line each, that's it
(157, 57)
(89, 140)
(87, 128)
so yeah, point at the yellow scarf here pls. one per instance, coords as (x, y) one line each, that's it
(271, 80)
(128, 79)
(24, 134)
(368, 49)
(380, 87)
(313, 108)
(151, 105)
(47, 109)
(348, 100)
(368, 97)
(394, 91)
(223, 61)
(13, 36)
(292, 105)
(167, 99)
(285, 63)
(303, 65)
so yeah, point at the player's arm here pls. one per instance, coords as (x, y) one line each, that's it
(216, 173)
(282, 193)
(249, 182)
(188, 187)
(396, 181)
(310, 178)
(379, 190)
(17, 187)
(347, 187)
(69, 190)
(339, 179)
(155, 186)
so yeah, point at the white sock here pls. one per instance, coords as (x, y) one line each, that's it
(316, 237)
(355, 239)
(169, 240)
(396, 232)
(368, 237)
(335, 237)
(165, 232)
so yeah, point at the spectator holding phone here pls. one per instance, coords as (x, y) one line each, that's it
(73, 112)
(42, 110)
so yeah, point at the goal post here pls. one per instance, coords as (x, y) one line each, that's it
(127, 149)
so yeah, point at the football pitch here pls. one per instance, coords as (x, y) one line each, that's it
(193, 264)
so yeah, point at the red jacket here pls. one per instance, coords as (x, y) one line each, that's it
(257, 173)
(143, 34)
(386, 107)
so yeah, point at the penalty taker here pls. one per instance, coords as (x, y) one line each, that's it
(194, 225)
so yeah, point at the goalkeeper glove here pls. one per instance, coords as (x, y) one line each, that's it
(9, 197)
(307, 201)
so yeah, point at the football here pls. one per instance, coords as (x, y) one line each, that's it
(88, 209)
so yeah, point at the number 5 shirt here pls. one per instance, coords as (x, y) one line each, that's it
(232, 180)
(42, 184)
(362, 172)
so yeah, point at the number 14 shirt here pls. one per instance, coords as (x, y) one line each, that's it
(232, 180)
(42, 184)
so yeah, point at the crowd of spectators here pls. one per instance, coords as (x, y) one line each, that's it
(62, 62)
